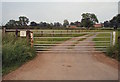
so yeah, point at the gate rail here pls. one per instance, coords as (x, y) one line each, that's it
(43, 47)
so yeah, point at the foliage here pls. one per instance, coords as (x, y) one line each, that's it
(23, 21)
(65, 23)
(114, 52)
(114, 22)
(15, 51)
(88, 20)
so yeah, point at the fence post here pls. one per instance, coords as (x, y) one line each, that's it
(16, 33)
(111, 38)
(53, 33)
(114, 34)
(4, 31)
(28, 35)
(31, 37)
(61, 33)
(41, 33)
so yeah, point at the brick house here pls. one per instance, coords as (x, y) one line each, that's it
(98, 25)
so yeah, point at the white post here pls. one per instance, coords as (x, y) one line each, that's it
(31, 36)
(114, 34)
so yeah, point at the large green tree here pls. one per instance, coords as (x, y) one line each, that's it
(88, 20)
(115, 21)
(65, 22)
(11, 23)
(23, 20)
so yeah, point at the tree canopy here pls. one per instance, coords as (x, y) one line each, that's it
(23, 21)
(88, 20)
(65, 22)
(114, 22)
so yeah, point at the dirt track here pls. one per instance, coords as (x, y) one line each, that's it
(68, 65)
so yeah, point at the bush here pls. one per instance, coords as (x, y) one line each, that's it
(114, 52)
(15, 51)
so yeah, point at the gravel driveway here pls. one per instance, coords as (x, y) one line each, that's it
(71, 64)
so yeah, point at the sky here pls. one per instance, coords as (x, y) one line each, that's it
(119, 7)
(57, 11)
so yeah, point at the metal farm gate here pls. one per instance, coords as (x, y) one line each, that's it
(72, 40)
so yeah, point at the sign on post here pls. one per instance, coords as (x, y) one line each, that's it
(22, 33)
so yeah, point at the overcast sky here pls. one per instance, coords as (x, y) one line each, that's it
(58, 11)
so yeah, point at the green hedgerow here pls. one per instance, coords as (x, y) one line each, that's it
(15, 51)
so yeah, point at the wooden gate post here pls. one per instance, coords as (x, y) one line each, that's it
(4, 31)
(28, 34)
(16, 33)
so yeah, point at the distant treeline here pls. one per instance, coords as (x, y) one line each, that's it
(114, 22)
(88, 20)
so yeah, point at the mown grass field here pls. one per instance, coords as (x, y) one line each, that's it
(57, 38)
(54, 37)
(104, 37)
(68, 33)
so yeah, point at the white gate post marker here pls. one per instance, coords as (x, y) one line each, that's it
(114, 34)
(31, 36)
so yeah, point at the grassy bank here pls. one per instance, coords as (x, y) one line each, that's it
(15, 52)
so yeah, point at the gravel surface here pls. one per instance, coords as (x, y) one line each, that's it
(72, 64)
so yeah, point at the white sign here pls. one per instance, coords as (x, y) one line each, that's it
(22, 33)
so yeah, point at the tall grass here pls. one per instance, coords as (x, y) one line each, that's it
(114, 51)
(15, 52)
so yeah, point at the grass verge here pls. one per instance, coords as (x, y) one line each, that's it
(15, 52)
(114, 51)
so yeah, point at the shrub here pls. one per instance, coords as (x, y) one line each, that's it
(114, 52)
(15, 51)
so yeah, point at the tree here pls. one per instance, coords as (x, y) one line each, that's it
(72, 23)
(33, 23)
(88, 20)
(23, 21)
(115, 21)
(11, 23)
(65, 23)
(86, 23)
(57, 24)
(77, 24)
(17, 23)
(106, 24)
